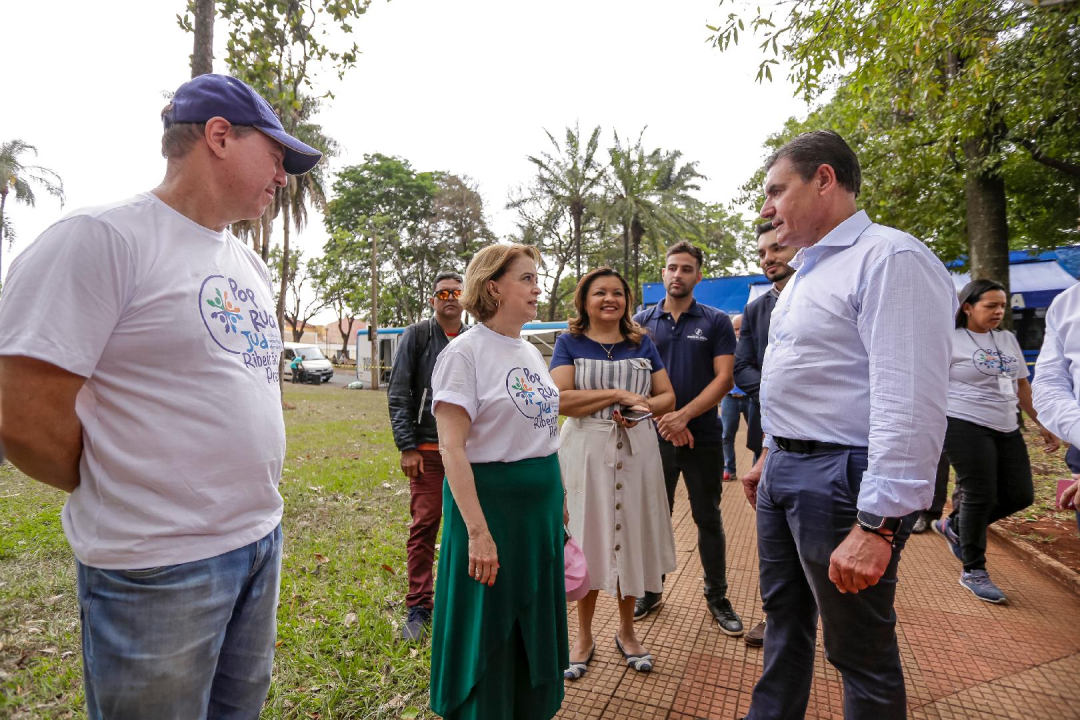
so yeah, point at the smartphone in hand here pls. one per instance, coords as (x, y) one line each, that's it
(631, 416)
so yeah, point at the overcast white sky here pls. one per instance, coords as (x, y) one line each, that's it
(465, 86)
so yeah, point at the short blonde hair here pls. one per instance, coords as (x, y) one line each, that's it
(487, 265)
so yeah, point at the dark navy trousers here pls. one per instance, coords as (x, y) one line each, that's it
(806, 506)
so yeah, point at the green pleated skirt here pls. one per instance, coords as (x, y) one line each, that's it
(499, 652)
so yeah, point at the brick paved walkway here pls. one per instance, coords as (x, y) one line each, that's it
(962, 658)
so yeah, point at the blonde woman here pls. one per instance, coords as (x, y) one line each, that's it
(499, 640)
(608, 371)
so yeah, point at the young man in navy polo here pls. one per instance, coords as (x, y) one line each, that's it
(697, 345)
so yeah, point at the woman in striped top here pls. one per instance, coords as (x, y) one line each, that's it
(607, 369)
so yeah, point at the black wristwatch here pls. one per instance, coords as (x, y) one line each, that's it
(886, 527)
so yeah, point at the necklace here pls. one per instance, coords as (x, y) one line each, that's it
(607, 349)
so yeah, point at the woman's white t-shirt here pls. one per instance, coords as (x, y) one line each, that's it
(983, 378)
(504, 386)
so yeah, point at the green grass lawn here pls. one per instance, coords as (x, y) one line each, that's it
(342, 589)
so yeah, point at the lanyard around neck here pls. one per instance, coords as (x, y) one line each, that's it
(1001, 360)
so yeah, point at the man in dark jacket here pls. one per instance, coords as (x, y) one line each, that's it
(750, 351)
(415, 434)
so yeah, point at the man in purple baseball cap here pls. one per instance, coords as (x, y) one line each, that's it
(139, 355)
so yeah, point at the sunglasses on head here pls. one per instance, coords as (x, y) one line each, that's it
(447, 294)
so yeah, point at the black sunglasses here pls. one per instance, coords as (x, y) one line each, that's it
(447, 294)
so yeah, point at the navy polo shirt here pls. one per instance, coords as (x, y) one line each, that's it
(687, 348)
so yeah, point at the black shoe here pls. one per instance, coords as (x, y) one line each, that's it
(646, 604)
(730, 623)
(417, 624)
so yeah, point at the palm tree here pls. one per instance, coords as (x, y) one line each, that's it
(19, 179)
(302, 190)
(571, 176)
(649, 195)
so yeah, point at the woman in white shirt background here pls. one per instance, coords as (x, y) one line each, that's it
(499, 642)
(988, 378)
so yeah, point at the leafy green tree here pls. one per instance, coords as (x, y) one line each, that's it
(459, 221)
(279, 47)
(572, 176)
(978, 88)
(17, 179)
(342, 278)
(385, 195)
(545, 222)
(649, 197)
(300, 306)
(728, 241)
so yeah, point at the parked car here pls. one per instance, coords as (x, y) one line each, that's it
(316, 368)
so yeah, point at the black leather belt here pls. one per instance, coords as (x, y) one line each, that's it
(809, 447)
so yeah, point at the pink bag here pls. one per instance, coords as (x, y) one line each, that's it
(577, 572)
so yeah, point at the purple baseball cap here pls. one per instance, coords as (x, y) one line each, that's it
(209, 96)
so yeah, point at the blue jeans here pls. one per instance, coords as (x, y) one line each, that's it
(186, 641)
(730, 408)
(805, 509)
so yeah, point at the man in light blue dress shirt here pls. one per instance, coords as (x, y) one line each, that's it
(853, 392)
(1056, 387)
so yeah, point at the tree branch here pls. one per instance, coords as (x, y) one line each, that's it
(1069, 168)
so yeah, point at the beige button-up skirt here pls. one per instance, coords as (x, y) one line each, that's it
(618, 504)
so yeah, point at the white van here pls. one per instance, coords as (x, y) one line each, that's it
(317, 369)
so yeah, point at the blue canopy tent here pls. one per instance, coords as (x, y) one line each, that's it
(729, 294)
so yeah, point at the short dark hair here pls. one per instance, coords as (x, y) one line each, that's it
(971, 293)
(763, 228)
(684, 246)
(811, 150)
(446, 275)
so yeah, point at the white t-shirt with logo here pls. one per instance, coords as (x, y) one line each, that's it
(983, 378)
(504, 385)
(173, 326)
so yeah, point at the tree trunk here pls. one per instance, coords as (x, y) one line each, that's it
(987, 225)
(284, 264)
(284, 280)
(554, 302)
(625, 250)
(346, 335)
(264, 221)
(637, 232)
(202, 59)
(575, 216)
(3, 201)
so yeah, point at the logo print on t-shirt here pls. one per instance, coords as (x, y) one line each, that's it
(696, 335)
(239, 325)
(992, 362)
(533, 398)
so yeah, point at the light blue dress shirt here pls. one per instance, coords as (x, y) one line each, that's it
(859, 350)
(1057, 371)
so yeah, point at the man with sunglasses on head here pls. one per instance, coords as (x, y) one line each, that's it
(415, 434)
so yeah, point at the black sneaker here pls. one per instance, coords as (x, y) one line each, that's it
(646, 604)
(730, 623)
(417, 624)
